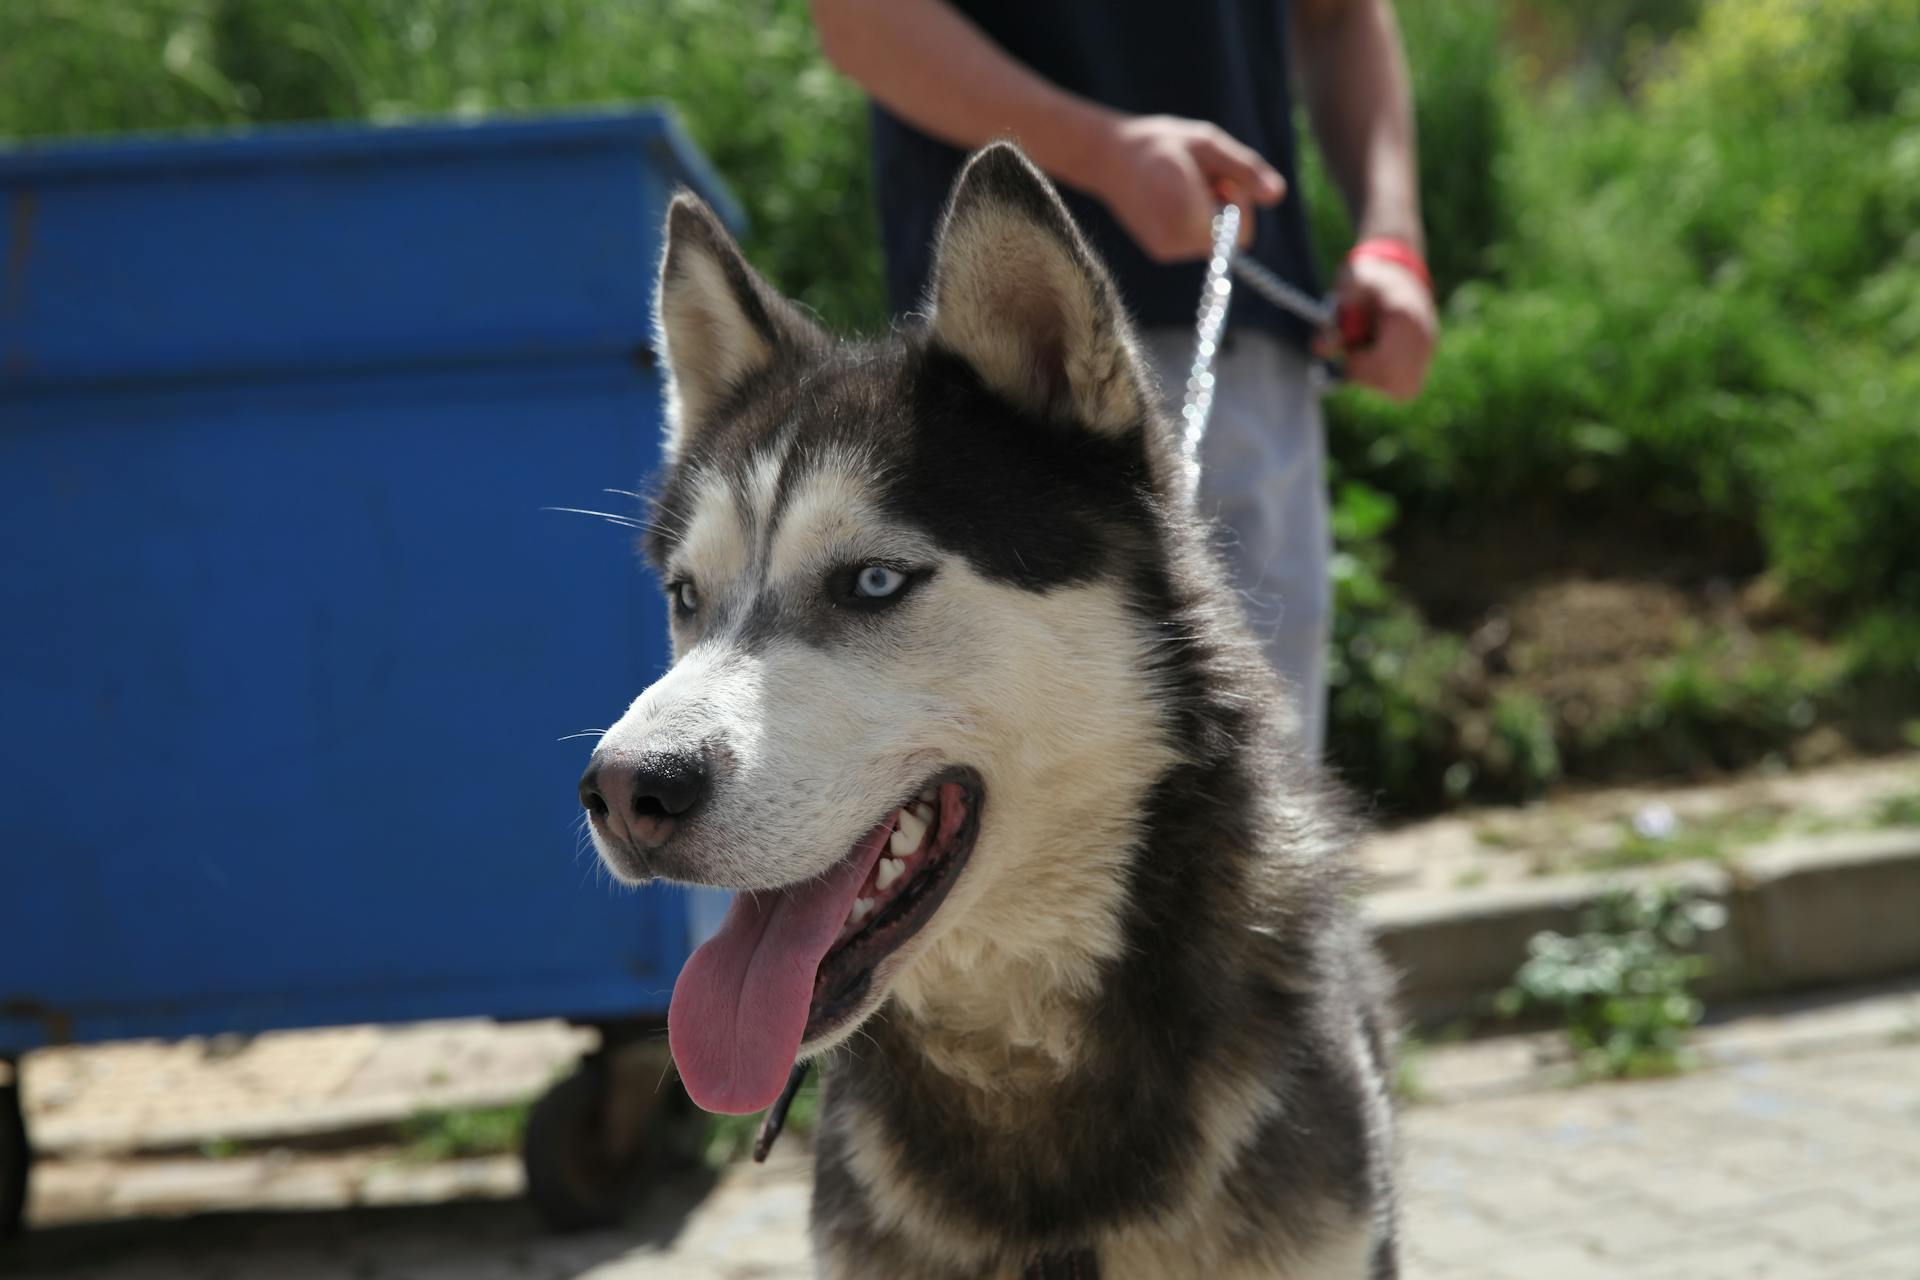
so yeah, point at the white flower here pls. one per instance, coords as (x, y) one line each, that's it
(1655, 821)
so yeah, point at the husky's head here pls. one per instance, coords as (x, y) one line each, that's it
(918, 694)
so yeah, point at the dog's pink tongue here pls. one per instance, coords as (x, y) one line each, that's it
(740, 1006)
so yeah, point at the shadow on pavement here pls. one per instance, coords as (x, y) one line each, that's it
(480, 1240)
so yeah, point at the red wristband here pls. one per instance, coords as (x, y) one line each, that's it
(1388, 249)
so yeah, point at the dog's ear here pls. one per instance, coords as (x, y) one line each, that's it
(717, 323)
(1018, 294)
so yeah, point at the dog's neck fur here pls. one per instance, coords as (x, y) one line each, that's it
(1001, 1024)
(1001, 1005)
(1005, 1014)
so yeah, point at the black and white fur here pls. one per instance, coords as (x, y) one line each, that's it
(1146, 1022)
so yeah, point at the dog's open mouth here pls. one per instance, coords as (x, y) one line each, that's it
(930, 838)
(794, 965)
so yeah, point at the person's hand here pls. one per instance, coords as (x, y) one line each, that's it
(1402, 322)
(1163, 177)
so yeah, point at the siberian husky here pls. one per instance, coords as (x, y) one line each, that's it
(965, 713)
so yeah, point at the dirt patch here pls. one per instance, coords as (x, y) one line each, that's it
(1555, 644)
(1586, 649)
(1584, 620)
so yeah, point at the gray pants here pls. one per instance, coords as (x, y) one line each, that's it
(1263, 481)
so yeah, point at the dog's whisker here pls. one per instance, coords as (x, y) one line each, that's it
(666, 1070)
(603, 515)
(654, 526)
(678, 523)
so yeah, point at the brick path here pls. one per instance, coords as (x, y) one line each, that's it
(1804, 1169)
(1799, 1163)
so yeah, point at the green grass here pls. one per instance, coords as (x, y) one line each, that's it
(461, 1132)
(730, 1138)
(1712, 838)
(1901, 810)
(1407, 1084)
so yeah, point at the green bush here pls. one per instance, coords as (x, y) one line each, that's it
(1462, 92)
(1723, 703)
(1607, 39)
(1393, 702)
(745, 75)
(1841, 518)
(1703, 322)
(1463, 99)
(1524, 750)
(1623, 985)
(1705, 303)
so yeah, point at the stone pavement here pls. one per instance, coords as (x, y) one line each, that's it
(1804, 1169)
(1795, 1153)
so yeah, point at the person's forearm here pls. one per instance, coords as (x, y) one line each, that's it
(1359, 98)
(926, 63)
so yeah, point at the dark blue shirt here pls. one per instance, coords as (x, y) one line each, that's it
(1219, 60)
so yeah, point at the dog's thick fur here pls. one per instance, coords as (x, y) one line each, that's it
(1146, 1021)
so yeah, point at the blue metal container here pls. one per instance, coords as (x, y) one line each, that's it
(289, 646)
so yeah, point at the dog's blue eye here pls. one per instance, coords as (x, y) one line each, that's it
(686, 597)
(877, 582)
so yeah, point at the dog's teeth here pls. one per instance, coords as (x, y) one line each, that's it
(861, 910)
(891, 869)
(929, 795)
(906, 837)
(924, 812)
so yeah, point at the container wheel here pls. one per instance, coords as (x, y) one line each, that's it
(15, 1155)
(582, 1154)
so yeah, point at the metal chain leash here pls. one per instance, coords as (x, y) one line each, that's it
(1223, 266)
(1215, 295)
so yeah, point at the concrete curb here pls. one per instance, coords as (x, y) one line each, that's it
(1801, 913)
(321, 1086)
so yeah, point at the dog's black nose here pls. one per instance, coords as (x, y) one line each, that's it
(644, 798)
(669, 784)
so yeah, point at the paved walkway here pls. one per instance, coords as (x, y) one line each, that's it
(1806, 1169)
(1795, 1155)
